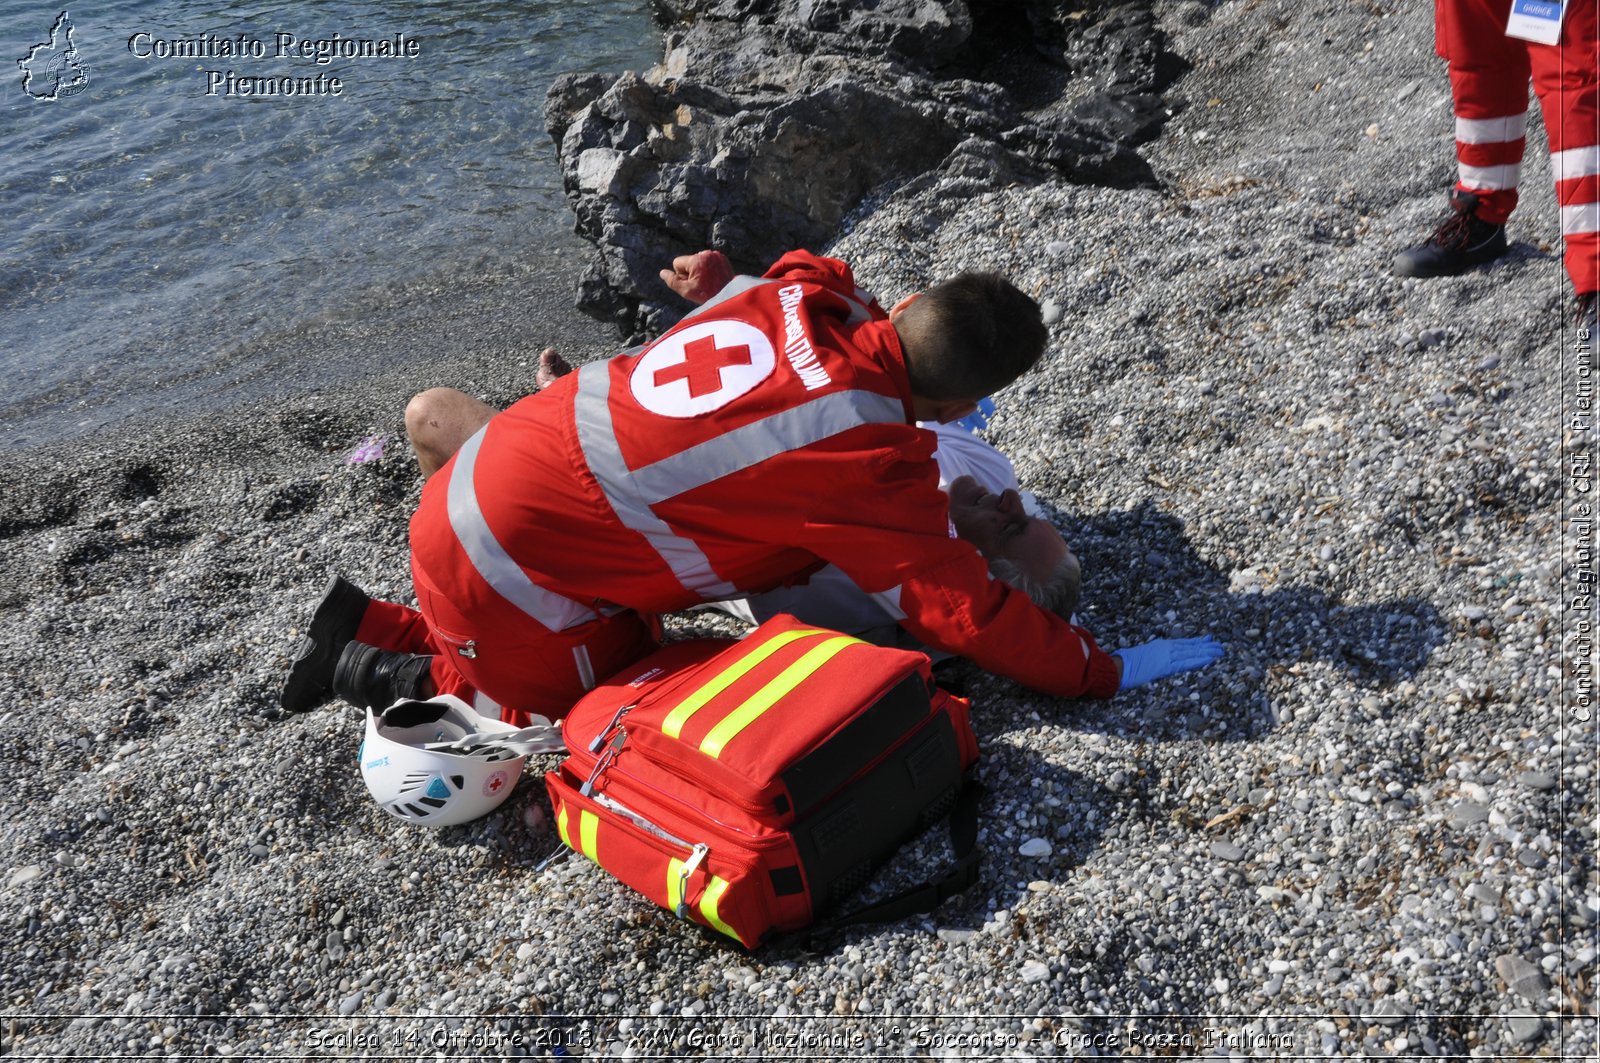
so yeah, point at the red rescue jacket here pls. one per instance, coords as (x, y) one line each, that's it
(767, 433)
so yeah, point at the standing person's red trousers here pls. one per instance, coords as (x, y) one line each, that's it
(1489, 74)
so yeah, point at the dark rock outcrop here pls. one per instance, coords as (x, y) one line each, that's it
(768, 121)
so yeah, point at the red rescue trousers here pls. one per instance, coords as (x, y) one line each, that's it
(1489, 75)
(523, 669)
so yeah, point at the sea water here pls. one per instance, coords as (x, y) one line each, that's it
(182, 181)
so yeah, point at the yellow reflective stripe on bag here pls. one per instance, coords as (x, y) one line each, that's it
(708, 907)
(676, 879)
(672, 726)
(589, 834)
(772, 693)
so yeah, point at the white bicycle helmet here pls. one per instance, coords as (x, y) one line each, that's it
(438, 763)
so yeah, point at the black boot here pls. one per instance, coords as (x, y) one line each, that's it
(332, 626)
(1588, 311)
(370, 678)
(1461, 241)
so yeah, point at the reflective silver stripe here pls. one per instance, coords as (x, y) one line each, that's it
(580, 657)
(800, 426)
(738, 286)
(859, 306)
(491, 560)
(1492, 130)
(1490, 178)
(597, 439)
(1580, 218)
(889, 602)
(1575, 162)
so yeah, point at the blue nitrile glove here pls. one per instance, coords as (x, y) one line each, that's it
(1160, 658)
(979, 418)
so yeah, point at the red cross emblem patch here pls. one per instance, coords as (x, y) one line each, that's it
(701, 368)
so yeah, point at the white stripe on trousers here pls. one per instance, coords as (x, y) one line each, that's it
(1580, 218)
(1492, 130)
(1575, 162)
(1490, 178)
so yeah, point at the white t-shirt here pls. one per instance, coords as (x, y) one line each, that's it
(831, 599)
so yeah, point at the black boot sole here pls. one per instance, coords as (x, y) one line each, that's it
(1417, 262)
(332, 626)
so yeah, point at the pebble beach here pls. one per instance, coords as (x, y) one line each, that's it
(1368, 832)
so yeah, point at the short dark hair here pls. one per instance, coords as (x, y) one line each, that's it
(969, 337)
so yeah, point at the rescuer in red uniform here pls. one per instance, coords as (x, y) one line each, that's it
(769, 432)
(1489, 73)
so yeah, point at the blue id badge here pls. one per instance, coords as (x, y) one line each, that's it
(1538, 21)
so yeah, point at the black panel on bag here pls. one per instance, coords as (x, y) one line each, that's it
(786, 881)
(841, 842)
(822, 771)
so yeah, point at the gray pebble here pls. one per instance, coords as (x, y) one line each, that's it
(351, 1004)
(1225, 850)
(1391, 1011)
(1537, 780)
(25, 875)
(1466, 814)
(1524, 1028)
(1522, 978)
(1034, 972)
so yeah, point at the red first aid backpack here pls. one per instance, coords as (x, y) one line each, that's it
(752, 785)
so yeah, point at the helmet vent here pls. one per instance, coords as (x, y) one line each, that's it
(460, 781)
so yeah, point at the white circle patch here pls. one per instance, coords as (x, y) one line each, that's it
(701, 368)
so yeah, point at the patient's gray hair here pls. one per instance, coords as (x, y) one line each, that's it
(1059, 593)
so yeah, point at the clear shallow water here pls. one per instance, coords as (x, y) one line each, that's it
(155, 234)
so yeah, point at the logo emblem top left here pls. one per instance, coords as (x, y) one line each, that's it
(55, 68)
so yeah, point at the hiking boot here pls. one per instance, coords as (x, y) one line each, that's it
(370, 678)
(332, 626)
(1461, 241)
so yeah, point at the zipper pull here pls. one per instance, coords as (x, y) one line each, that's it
(600, 739)
(696, 857)
(604, 762)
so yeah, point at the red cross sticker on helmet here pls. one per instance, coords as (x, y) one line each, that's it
(702, 368)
